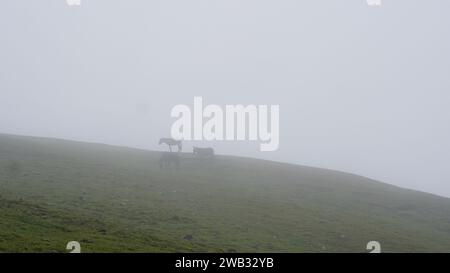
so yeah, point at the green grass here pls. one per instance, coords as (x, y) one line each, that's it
(114, 199)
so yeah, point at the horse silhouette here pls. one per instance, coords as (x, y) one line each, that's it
(203, 152)
(171, 142)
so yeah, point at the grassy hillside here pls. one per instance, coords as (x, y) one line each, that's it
(114, 199)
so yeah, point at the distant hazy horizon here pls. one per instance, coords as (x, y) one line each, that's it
(361, 89)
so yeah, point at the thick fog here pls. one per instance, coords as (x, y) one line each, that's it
(361, 89)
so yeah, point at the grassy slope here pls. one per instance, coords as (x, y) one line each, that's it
(117, 199)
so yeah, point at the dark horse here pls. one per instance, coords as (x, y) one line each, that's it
(171, 142)
(204, 152)
(167, 159)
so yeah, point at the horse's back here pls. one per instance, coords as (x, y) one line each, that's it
(204, 151)
(170, 141)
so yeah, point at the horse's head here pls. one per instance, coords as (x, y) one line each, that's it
(160, 141)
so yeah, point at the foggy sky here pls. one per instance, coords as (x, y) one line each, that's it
(361, 89)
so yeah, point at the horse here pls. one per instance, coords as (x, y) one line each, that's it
(204, 152)
(167, 159)
(171, 142)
